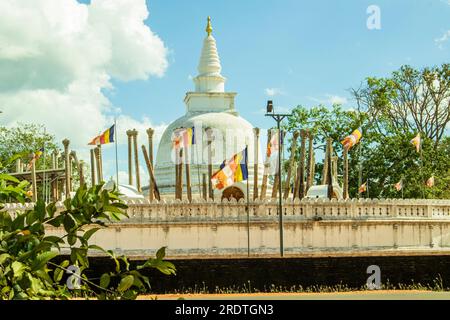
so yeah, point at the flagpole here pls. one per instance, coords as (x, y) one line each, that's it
(117, 162)
(367, 187)
(360, 167)
(421, 168)
(402, 186)
(248, 201)
(44, 193)
(198, 162)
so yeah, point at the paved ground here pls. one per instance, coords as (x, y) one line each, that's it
(357, 295)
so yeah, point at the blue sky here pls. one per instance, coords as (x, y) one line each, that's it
(309, 50)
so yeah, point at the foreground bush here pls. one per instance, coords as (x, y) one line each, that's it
(28, 253)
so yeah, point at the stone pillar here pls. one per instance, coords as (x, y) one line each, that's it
(97, 151)
(93, 180)
(287, 187)
(130, 157)
(325, 163)
(334, 171)
(177, 175)
(256, 160)
(33, 179)
(329, 168)
(204, 187)
(301, 166)
(266, 168)
(54, 161)
(100, 162)
(19, 166)
(150, 133)
(345, 185)
(311, 165)
(188, 176)
(66, 143)
(210, 173)
(180, 176)
(136, 160)
(151, 174)
(81, 172)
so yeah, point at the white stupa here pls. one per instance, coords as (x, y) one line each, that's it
(209, 106)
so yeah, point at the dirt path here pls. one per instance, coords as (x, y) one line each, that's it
(354, 295)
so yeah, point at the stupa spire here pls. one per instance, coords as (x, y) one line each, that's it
(209, 78)
(209, 28)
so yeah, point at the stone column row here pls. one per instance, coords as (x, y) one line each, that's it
(132, 146)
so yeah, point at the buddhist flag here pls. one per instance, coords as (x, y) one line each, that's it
(35, 157)
(105, 138)
(430, 182)
(273, 152)
(363, 188)
(183, 138)
(189, 137)
(399, 185)
(231, 171)
(352, 139)
(417, 142)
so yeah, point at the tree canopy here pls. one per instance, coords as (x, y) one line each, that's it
(390, 112)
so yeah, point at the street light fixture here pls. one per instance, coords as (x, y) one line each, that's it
(278, 117)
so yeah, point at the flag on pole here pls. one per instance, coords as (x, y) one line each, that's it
(363, 188)
(183, 138)
(273, 151)
(417, 142)
(430, 182)
(105, 138)
(399, 185)
(35, 157)
(352, 139)
(231, 171)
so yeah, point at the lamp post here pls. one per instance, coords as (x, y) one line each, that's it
(278, 117)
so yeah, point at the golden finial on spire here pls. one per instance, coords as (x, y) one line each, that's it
(209, 28)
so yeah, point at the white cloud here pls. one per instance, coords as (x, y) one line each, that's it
(336, 99)
(330, 99)
(271, 92)
(441, 40)
(57, 58)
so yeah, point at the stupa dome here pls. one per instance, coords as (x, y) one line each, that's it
(208, 107)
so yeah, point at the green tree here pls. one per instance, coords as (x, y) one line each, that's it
(385, 156)
(23, 140)
(409, 101)
(335, 123)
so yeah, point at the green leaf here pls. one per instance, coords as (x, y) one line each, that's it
(18, 268)
(5, 219)
(7, 177)
(72, 239)
(88, 234)
(42, 259)
(39, 209)
(58, 274)
(129, 295)
(3, 257)
(56, 222)
(69, 222)
(161, 253)
(96, 247)
(105, 280)
(53, 239)
(51, 209)
(125, 283)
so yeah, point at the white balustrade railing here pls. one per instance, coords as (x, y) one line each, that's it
(317, 209)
